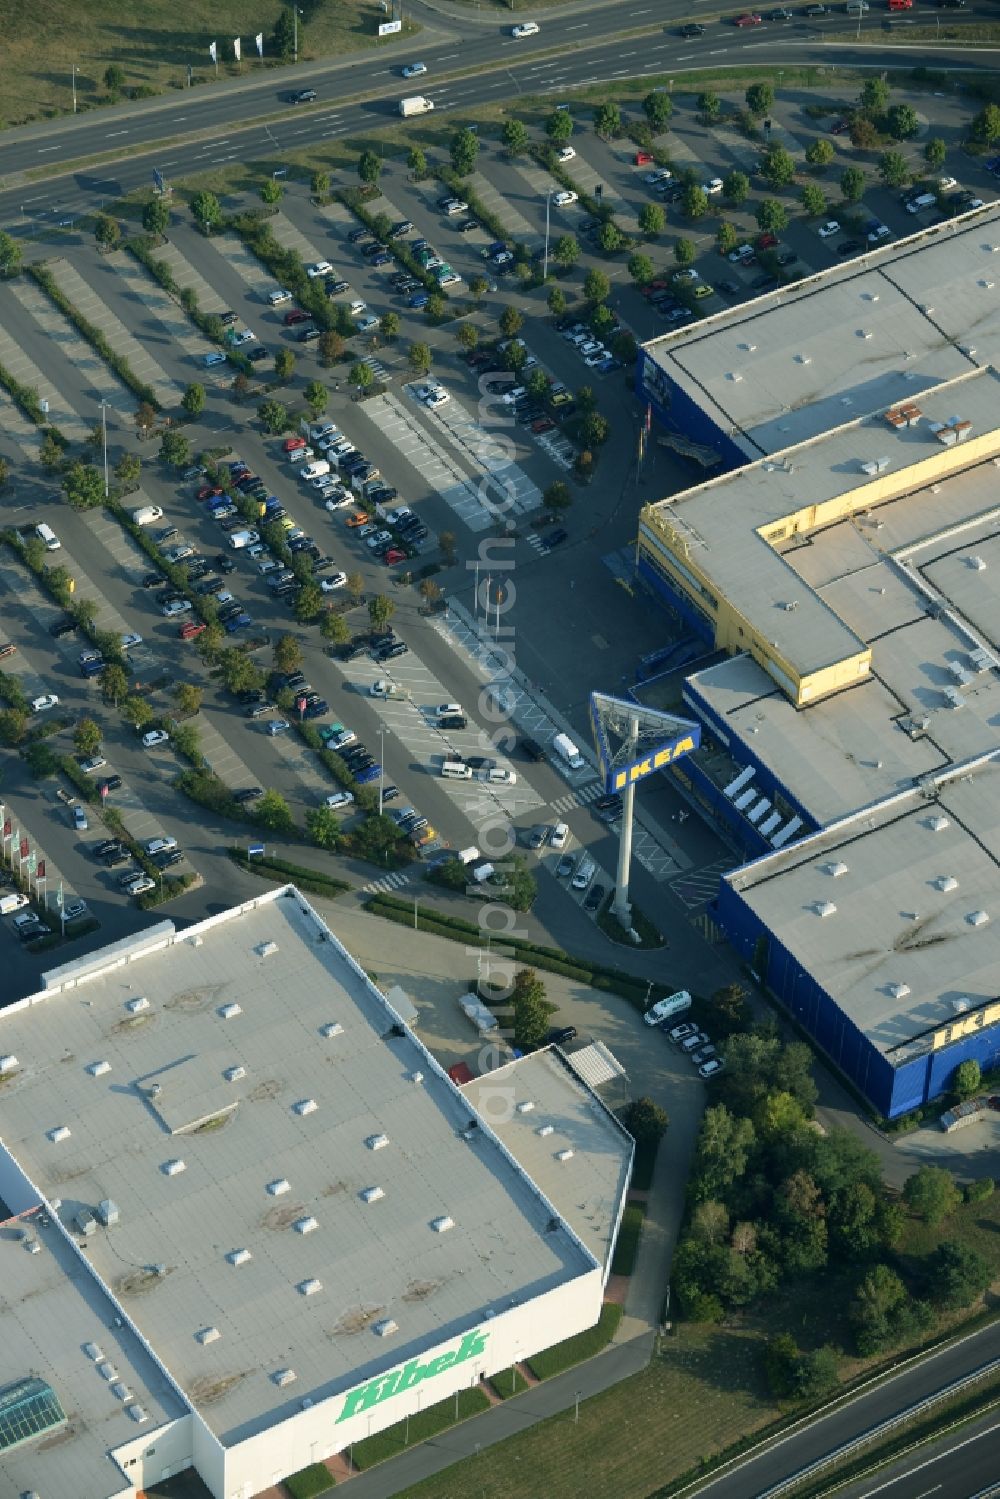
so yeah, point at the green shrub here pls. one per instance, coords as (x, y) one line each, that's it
(312, 881)
(574, 1350)
(166, 890)
(981, 1190)
(508, 1382)
(316, 1479)
(627, 1246)
(421, 1427)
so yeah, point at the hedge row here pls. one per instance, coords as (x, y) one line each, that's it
(308, 1482)
(563, 1356)
(421, 1427)
(312, 880)
(143, 392)
(206, 322)
(288, 270)
(402, 252)
(627, 1246)
(610, 980)
(508, 1382)
(26, 398)
(460, 187)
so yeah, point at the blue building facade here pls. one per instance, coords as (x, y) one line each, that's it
(675, 409)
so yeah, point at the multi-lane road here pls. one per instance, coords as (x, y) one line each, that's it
(251, 119)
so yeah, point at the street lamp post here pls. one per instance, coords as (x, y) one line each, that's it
(545, 263)
(104, 432)
(74, 88)
(381, 768)
(295, 18)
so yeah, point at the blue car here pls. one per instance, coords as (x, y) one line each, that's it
(238, 622)
(419, 299)
(372, 773)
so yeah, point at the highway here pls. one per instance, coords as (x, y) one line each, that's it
(963, 1465)
(251, 119)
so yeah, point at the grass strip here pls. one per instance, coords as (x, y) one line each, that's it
(311, 880)
(627, 1246)
(563, 1356)
(45, 279)
(421, 1426)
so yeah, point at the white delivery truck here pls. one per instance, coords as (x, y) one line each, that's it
(240, 539)
(10, 903)
(568, 752)
(482, 1018)
(146, 514)
(666, 1009)
(417, 105)
(314, 470)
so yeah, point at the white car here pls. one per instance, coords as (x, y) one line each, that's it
(565, 197)
(525, 28)
(74, 909)
(448, 710)
(598, 357)
(382, 688)
(320, 268)
(267, 566)
(711, 1067)
(660, 175)
(300, 455)
(503, 777)
(456, 206)
(436, 398)
(366, 324)
(338, 799)
(712, 186)
(140, 885)
(20, 901)
(246, 337)
(80, 819)
(590, 348)
(829, 229)
(947, 184)
(43, 703)
(414, 69)
(339, 500)
(333, 582)
(687, 274)
(174, 607)
(358, 307)
(96, 762)
(155, 737)
(27, 918)
(163, 845)
(130, 638)
(566, 153)
(278, 726)
(559, 835)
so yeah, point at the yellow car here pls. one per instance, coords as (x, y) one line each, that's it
(287, 523)
(702, 289)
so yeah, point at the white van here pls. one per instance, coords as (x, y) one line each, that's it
(314, 470)
(468, 855)
(584, 873)
(455, 770)
(568, 752)
(498, 776)
(665, 1009)
(925, 200)
(45, 533)
(277, 297)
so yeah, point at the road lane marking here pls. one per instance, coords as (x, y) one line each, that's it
(42, 149)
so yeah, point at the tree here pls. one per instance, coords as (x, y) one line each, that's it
(369, 167)
(514, 136)
(624, 347)
(331, 347)
(449, 546)
(240, 385)
(287, 653)
(207, 210)
(879, 1311)
(435, 309)
(596, 287)
(464, 151)
(601, 321)
(864, 133)
(113, 683)
(107, 231)
(935, 152)
(511, 322)
(931, 1194)
(723, 1149)
(813, 200)
(610, 238)
(136, 711)
(759, 98)
(273, 416)
(730, 1011)
(736, 188)
(771, 215)
(420, 358)
(967, 1079)
(128, 468)
(777, 166)
(319, 184)
(709, 106)
(986, 125)
(274, 813)
(355, 586)
(892, 168)
(284, 365)
(316, 397)
(362, 375)
(308, 602)
(557, 302)
(956, 1275)
(646, 1122)
(87, 738)
(874, 98)
(652, 219)
(820, 153)
(416, 161)
(694, 201)
(430, 592)
(903, 122)
(726, 238)
(13, 725)
(531, 1009)
(114, 78)
(608, 120)
(557, 496)
(323, 827)
(389, 324)
(193, 400)
(283, 38)
(479, 286)
(566, 251)
(380, 611)
(658, 107)
(595, 429)
(537, 384)
(10, 254)
(271, 191)
(155, 216)
(852, 184)
(189, 697)
(84, 486)
(468, 336)
(559, 126)
(334, 628)
(685, 251)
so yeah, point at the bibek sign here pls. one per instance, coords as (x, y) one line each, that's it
(397, 1380)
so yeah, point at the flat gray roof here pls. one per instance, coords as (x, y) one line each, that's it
(929, 302)
(906, 949)
(50, 1310)
(718, 521)
(221, 1130)
(542, 1092)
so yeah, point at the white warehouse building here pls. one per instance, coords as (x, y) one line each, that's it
(247, 1220)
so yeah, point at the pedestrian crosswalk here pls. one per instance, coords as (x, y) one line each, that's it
(558, 449)
(376, 366)
(387, 882)
(696, 887)
(578, 798)
(534, 540)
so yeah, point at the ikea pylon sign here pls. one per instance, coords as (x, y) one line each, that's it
(662, 738)
(622, 776)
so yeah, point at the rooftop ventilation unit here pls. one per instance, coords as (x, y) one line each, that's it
(946, 882)
(234, 1074)
(173, 1168)
(443, 1224)
(735, 377)
(954, 697)
(371, 1194)
(279, 1188)
(565, 1154)
(864, 333)
(417, 1076)
(96, 1069)
(307, 1225)
(266, 949)
(898, 991)
(836, 868)
(305, 1106)
(526, 1106)
(8, 1064)
(750, 348)
(937, 824)
(981, 659)
(824, 908)
(961, 1003)
(135, 1005)
(978, 918)
(195, 941)
(107, 1371)
(385, 1328)
(309, 1287)
(281, 1377)
(61, 1132)
(875, 465)
(137, 1413)
(804, 358)
(121, 1391)
(239, 1256)
(977, 564)
(94, 1351)
(334, 1028)
(953, 431)
(377, 1142)
(230, 1011)
(544, 1129)
(207, 1335)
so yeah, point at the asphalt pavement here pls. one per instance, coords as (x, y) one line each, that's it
(962, 1465)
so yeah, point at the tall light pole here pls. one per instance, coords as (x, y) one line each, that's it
(104, 431)
(381, 767)
(295, 17)
(545, 263)
(74, 88)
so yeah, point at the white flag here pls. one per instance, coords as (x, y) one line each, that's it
(236, 48)
(260, 44)
(214, 54)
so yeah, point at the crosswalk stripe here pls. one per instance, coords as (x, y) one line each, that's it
(387, 882)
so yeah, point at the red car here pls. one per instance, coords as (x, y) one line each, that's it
(295, 316)
(191, 629)
(292, 444)
(643, 159)
(208, 491)
(394, 555)
(749, 18)
(543, 424)
(766, 241)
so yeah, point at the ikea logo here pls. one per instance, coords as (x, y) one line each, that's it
(656, 761)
